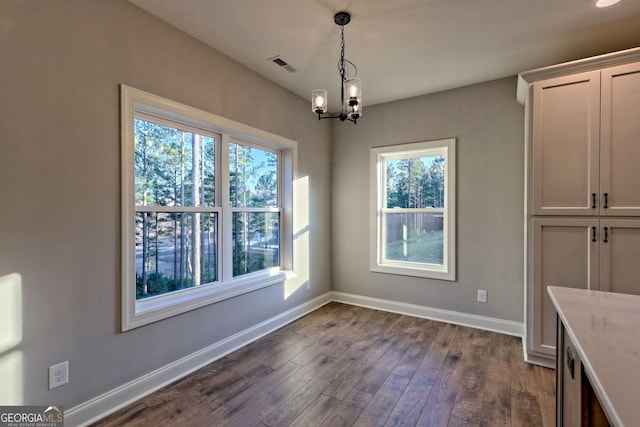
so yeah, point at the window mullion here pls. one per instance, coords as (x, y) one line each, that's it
(226, 232)
(280, 189)
(381, 206)
(286, 199)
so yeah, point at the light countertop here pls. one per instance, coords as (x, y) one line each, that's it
(605, 328)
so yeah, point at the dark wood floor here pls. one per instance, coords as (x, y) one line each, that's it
(344, 365)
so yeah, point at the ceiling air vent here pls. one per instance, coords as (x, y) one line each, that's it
(282, 63)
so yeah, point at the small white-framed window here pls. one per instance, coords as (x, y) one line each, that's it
(413, 209)
(206, 208)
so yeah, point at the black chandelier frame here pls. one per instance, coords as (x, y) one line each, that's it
(342, 19)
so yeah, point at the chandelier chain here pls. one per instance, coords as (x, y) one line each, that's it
(343, 62)
(341, 66)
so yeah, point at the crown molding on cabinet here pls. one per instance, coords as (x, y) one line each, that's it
(581, 65)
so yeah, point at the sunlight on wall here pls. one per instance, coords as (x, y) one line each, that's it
(11, 374)
(10, 337)
(10, 311)
(300, 237)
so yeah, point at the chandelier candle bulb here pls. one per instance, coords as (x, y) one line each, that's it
(319, 101)
(353, 91)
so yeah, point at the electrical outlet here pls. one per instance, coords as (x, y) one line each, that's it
(58, 375)
(482, 295)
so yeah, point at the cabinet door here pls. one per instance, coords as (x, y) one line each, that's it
(565, 253)
(565, 134)
(620, 256)
(620, 144)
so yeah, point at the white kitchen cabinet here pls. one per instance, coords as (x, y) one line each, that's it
(566, 145)
(620, 141)
(563, 254)
(620, 255)
(582, 185)
(582, 253)
(586, 143)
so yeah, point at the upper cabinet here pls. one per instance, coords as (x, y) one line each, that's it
(620, 141)
(583, 132)
(586, 143)
(566, 140)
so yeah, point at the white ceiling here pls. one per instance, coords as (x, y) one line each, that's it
(402, 48)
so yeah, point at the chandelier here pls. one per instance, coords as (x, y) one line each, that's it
(350, 85)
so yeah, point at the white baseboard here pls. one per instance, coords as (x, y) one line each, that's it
(480, 322)
(540, 361)
(107, 403)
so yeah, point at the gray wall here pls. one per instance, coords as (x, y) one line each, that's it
(489, 126)
(62, 63)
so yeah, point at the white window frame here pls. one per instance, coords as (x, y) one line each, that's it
(378, 159)
(137, 103)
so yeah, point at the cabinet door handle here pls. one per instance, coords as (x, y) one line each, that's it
(570, 361)
(606, 200)
(606, 234)
(593, 234)
(593, 200)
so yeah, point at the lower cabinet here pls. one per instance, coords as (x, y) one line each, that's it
(585, 253)
(576, 402)
(620, 256)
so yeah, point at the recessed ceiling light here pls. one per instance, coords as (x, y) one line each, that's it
(606, 3)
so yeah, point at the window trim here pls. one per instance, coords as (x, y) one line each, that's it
(378, 158)
(138, 313)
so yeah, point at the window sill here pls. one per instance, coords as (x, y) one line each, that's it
(161, 307)
(414, 272)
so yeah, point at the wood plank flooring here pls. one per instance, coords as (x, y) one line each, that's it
(344, 365)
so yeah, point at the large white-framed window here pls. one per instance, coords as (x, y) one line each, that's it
(413, 209)
(206, 208)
